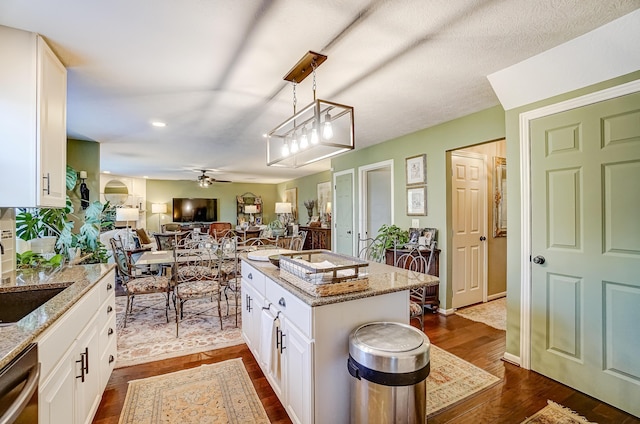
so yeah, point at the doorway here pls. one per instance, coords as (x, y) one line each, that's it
(478, 240)
(343, 213)
(376, 198)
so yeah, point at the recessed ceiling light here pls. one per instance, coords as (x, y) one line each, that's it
(106, 172)
(158, 124)
(145, 176)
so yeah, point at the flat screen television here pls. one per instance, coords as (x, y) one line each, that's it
(195, 210)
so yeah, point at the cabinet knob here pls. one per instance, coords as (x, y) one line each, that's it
(250, 276)
(282, 302)
(109, 286)
(110, 331)
(109, 309)
(111, 358)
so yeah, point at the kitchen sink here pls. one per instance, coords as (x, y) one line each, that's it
(15, 305)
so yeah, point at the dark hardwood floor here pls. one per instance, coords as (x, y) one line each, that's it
(519, 395)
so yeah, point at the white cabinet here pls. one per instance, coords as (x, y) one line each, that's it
(33, 96)
(286, 357)
(77, 354)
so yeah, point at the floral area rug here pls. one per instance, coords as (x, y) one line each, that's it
(492, 313)
(452, 380)
(554, 413)
(216, 393)
(148, 337)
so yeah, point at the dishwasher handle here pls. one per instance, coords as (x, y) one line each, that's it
(22, 400)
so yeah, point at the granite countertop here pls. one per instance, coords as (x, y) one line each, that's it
(382, 279)
(15, 337)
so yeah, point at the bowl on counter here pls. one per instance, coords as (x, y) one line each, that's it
(275, 259)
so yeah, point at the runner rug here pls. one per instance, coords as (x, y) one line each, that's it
(554, 413)
(493, 313)
(148, 337)
(216, 393)
(452, 380)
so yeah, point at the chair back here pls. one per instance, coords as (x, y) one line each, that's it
(297, 241)
(219, 229)
(169, 241)
(259, 243)
(413, 261)
(194, 261)
(121, 259)
(371, 250)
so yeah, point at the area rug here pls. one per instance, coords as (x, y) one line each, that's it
(554, 413)
(493, 313)
(148, 337)
(452, 380)
(216, 393)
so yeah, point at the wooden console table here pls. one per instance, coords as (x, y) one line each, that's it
(317, 238)
(433, 292)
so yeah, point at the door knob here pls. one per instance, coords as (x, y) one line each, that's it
(482, 238)
(539, 260)
(349, 232)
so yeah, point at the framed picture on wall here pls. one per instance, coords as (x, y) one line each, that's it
(324, 198)
(416, 169)
(417, 201)
(291, 196)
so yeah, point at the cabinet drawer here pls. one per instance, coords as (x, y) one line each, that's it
(254, 277)
(108, 362)
(106, 311)
(107, 332)
(293, 308)
(53, 343)
(107, 286)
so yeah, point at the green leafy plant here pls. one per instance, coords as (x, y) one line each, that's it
(30, 259)
(389, 236)
(33, 223)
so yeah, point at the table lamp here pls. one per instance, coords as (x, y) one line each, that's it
(251, 209)
(159, 208)
(127, 215)
(283, 210)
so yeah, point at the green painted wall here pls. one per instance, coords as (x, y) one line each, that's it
(307, 189)
(513, 200)
(480, 127)
(163, 191)
(84, 156)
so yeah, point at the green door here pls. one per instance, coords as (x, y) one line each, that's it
(585, 212)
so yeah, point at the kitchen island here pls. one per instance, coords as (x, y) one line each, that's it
(301, 341)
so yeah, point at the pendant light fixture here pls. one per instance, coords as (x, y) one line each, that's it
(319, 131)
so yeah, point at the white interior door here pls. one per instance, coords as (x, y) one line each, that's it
(343, 213)
(376, 194)
(469, 210)
(585, 243)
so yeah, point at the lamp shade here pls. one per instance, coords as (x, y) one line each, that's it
(126, 214)
(283, 207)
(251, 209)
(158, 208)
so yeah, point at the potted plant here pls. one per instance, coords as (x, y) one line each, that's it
(389, 236)
(44, 222)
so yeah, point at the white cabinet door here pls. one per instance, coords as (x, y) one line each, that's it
(298, 357)
(33, 87)
(88, 391)
(252, 303)
(57, 397)
(52, 127)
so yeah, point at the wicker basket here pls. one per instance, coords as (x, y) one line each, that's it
(304, 270)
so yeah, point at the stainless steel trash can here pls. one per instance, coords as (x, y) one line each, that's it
(389, 363)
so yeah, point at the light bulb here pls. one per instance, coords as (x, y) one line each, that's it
(285, 149)
(327, 131)
(314, 135)
(304, 141)
(294, 144)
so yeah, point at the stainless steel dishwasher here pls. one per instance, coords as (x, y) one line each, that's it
(19, 388)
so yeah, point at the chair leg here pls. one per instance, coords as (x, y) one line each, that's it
(178, 312)
(126, 311)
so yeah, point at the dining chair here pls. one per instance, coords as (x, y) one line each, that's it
(297, 240)
(137, 285)
(414, 261)
(229, 272)
(196, 277)
(371, 250)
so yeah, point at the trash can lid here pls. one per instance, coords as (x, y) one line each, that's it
(389, 347)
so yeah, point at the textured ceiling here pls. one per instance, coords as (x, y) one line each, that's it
(212, 69)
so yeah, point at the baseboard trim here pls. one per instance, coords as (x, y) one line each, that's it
(512, 359)
(447, 312)
(496, 296)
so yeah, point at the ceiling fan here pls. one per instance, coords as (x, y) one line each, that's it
(205, 181)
